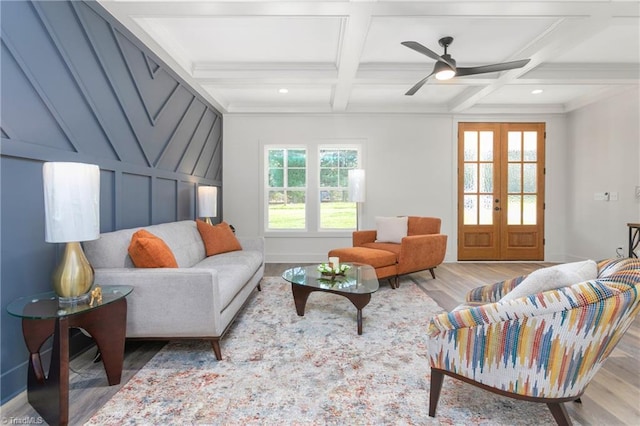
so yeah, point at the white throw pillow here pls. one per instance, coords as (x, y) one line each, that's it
(554, 277)
(391, 229)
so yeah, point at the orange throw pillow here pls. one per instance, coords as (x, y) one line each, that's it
(148, 251)
(217, 238)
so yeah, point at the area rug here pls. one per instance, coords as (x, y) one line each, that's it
(279, 368)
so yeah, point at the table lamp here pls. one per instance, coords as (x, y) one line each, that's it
(72, 215)
(207, 202)
(356, 191)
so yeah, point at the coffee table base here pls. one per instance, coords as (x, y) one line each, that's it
(301, 294)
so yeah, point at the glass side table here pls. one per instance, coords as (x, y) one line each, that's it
(42, 316)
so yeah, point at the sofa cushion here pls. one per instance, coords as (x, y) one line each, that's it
(391, 229)
(554, 277)
(368, 256)
(217, 238)
(149, 251)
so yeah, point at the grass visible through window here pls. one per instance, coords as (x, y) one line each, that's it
(335, 215)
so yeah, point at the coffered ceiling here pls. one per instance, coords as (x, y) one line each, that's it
(345, 56)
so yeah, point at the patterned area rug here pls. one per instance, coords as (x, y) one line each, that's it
(279, 368)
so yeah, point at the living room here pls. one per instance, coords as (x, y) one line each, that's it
(409, 145)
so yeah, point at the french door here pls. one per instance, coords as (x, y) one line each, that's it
(501, 191)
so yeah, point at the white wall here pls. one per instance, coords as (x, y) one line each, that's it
(604, 139)
(410, 161)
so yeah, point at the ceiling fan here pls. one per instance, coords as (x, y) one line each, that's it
(446, 67)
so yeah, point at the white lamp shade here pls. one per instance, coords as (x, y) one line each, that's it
(356, 185)
(71, 202)
(207, 201)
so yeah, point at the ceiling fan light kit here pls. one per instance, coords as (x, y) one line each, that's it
(445, 67)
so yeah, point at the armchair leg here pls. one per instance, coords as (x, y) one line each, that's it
(433, 274)
(434, 393)
(559, 413)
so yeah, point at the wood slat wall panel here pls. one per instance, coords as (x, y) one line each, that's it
(78, 86)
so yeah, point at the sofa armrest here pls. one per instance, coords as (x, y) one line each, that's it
(420, 252)
(363, 237)
(168, 302)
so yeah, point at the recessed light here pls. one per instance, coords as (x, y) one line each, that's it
(283, 90)
(536, 91)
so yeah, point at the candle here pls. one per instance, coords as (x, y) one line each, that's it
(334, 263)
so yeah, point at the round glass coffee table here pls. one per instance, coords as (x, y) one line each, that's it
(357, 285)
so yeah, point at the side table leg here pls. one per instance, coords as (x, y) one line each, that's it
(48, 395)
(107, 325)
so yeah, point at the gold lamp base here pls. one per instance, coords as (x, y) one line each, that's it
(208, 220)
(73, 277)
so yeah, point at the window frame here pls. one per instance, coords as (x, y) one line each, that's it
(312, 199)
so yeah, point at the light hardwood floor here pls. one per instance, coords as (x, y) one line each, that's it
(612, 398)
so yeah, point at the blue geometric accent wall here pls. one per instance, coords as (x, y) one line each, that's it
(77, 86)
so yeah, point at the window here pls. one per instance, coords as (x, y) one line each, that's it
(336, 211)
(306, 187)
(287, 188)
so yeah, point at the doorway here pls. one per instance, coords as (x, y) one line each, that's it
(501, 191)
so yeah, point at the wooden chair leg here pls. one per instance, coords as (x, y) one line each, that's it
(215, 344)
(433, 274)
(434, 393)
(560, 413)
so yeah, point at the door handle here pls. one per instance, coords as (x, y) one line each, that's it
(496, 208)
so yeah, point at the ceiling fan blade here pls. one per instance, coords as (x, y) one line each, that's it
(417, 86)
(462, 71)
(426, 51)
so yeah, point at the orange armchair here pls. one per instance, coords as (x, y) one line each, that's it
(423, 248)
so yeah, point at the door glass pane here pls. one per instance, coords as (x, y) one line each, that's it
(470, 146)
(486, 146)
(486, 210)
(514, 210)
(530, 146)
(514, 146)
(470, 209)
(514, 178)
(529, 178)
(529, 209)
(470, 178)
(486, 178)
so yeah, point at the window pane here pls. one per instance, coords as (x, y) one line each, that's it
(338, 214)
(343, 178)
(296, 178)
(470, 146)
(486, 209)
(276, 158)
(529, 177)
(514, 210)
(286, 210)
(296, 158)
(328, 158)
(276, 178)
(486, 146)
(514, 146)
(328, 178)
(470, 178)
(470, 209)
(514, 178)
(348, 158)
(486, 178)
(529, 210)
(530, 146)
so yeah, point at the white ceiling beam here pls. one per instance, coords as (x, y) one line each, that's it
(355, 36)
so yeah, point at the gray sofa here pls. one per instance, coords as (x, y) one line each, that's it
(198, 300)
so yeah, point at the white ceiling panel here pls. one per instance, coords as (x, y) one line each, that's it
(345, 56)
(250, 38)
(476, 40)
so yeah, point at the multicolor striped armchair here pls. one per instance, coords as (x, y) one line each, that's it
(545, 347)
